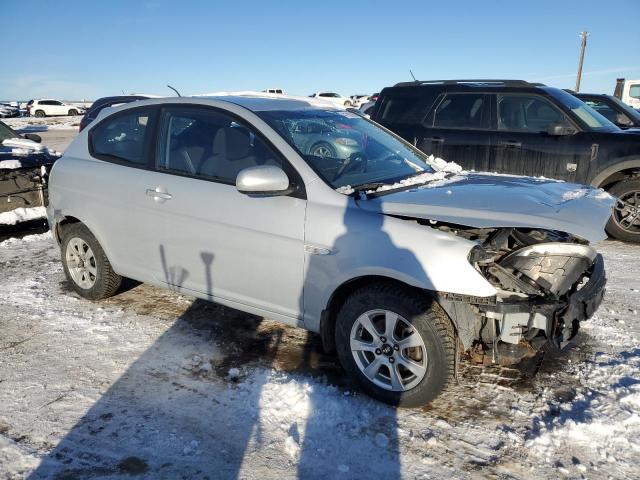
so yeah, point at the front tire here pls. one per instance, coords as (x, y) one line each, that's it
(85, 264)
(624, 223)
(397, 344)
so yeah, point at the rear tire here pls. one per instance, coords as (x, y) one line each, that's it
(85, 264)
(624, 223)
(73, 112)
(370, 357)
(40, 113)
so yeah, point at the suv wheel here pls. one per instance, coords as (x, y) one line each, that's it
(40, 113)
(86, 266)
(73, 112)
(399, 347)
(624, 223)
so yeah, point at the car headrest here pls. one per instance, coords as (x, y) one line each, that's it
(232, 142)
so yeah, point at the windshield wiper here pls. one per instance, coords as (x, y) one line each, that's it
(363, 187)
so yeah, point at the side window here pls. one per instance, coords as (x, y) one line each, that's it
(462, 110)
(605, 110)
(209, 144)
(56, 103)
(405, 109)
(527, 113)
(634, 91)
(122, 137)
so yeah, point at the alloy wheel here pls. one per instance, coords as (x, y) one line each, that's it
(388, 350)
(627, 212)
(81, 263)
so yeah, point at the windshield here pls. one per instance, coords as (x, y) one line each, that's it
(584, 112)
(345, 149)
(6, 133)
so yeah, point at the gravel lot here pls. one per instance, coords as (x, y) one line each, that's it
(154, 384)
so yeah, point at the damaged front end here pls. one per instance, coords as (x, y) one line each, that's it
(547, 283)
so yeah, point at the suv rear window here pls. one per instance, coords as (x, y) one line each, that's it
(461, 110)
(121, 137)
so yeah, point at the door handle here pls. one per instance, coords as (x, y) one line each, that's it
(436, 139)
(511, 143)
(157, 194)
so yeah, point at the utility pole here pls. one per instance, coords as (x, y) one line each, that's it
(583, 46)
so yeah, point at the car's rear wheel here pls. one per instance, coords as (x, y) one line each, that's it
(624, 223)
(347, 103)
(40, 113)
(85, 264)
(397, 344)
(73, 112)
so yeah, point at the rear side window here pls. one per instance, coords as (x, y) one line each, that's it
(634, 91)
(462, 110)
(122, 137)
(405, 109)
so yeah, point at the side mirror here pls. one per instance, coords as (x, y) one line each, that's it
(557, 130)
(264, 180)
(33, 137)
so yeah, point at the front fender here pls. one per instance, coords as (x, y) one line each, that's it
(373, 244)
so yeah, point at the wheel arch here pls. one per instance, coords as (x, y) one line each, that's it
(342, 292)
(617, 172)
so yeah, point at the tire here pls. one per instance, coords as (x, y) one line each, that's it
(628, 193)
(73, 112)
(417, 313)
(40, 113)
(323, 150)
(100, 279)
(347, 103)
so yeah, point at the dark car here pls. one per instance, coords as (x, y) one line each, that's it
(521, 128)
(105, 102)
(24, 166)
(612, 108)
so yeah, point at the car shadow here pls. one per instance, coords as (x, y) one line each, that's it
(201, 401)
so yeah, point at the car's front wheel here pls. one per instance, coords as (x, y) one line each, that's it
(624, 223)
(85, 264)
(397, 344)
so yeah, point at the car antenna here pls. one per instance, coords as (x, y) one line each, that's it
(413, 76)
(177, 92)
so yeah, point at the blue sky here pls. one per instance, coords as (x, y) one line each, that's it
(83, 49)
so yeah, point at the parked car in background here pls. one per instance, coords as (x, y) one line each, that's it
(612, 108)
(358, 100)
(105, 102)
(278, 91)
(516, 127)
(49, 108)
(398, 260)
(333, 97)
(24, 166)
(9, 111)
(628, 91)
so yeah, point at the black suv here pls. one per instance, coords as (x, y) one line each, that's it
(105, 102)
(612, 108)
(520, 128)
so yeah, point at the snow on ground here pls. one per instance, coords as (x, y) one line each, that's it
(22, 214)
(154, 384)
(37, 124)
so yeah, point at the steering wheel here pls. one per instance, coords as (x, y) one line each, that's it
(359, 157)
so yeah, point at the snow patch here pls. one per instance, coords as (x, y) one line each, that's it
(575, 194)
(22, 215)
(10, 164)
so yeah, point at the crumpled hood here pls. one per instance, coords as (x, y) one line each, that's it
(491, 200)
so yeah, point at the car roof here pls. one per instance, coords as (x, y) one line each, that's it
(262, 101)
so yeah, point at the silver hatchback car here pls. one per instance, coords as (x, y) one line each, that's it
(399, 261)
